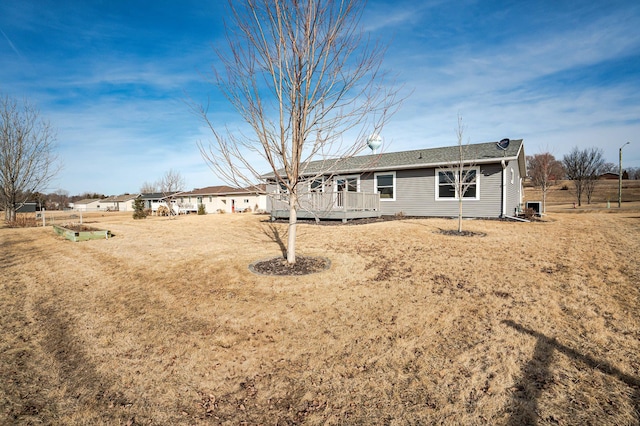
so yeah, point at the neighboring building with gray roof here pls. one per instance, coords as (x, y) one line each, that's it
(413, 183)
(119, 203)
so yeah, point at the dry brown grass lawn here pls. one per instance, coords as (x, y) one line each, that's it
(534, 323)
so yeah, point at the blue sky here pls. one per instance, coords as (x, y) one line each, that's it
(112, 77)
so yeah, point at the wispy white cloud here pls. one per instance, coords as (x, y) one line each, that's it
(13, 47)
(524, 87)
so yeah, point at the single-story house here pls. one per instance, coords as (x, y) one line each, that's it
(87, 205)
(122, 203)
(412, 183)
(223, 199)
(609, 176)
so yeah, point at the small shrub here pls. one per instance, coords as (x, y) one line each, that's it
(201, 209)
(564, 187)
(139, 211)
(22, 221)
(400, 214)
(221, 211)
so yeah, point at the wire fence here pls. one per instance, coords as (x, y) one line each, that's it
(57, 217)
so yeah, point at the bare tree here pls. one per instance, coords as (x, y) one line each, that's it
(609, 168)
(149, 187)
(58, 200)
(583, 168)
(171, 183)
(27, 158)
(304, 78)
(544, 171)
(461, 176)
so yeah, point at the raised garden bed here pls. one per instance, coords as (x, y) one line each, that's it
(74, 232)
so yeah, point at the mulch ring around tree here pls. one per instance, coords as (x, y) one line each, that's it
(304, 265)
(455, 233)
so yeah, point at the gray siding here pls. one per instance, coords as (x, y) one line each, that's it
(415, 193)
(514, 188)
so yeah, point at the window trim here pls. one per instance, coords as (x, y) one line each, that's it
(393, 185)
(457, 197)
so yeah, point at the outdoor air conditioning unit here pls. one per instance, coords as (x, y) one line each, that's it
(536, 206)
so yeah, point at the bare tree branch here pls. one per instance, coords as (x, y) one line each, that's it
(461, 176)
(583, 168)
(27, 158)
(170, 184)
(303, 77)
(544, 171)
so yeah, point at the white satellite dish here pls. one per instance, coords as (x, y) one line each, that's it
(374, 142)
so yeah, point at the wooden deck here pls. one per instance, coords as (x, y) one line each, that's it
(328, 205)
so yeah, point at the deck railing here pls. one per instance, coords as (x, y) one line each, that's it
(329, 201)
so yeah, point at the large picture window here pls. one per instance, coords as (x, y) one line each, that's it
(386, 185)
(448, 184)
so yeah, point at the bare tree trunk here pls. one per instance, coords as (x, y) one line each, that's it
(460, 215)
(291, 237)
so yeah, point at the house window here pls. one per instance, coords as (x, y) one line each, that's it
(210, 198)
(513, 176)
(386, 185)
(317, 185)
(347, 183)
(281, 188)
(246, 201)
(447, 184)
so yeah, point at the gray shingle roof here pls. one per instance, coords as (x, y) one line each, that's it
(156, 195)
(121, 198)
(209, 190)
(223, 190)
(420, 158)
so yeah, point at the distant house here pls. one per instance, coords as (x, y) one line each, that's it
(413, 183)
(614, 176)
(609, 176)
(223, 199)
(87, 205)
(122, 203)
